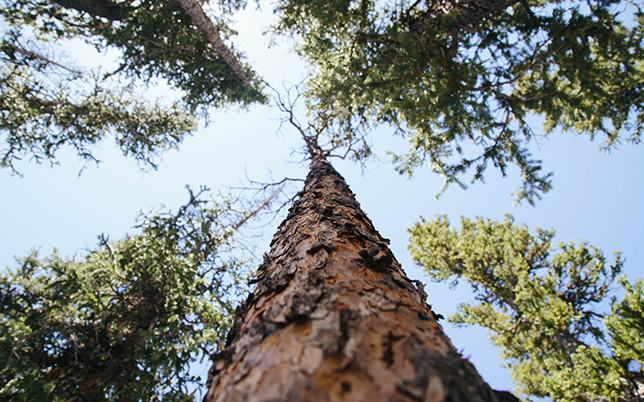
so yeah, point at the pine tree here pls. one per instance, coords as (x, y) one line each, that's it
(126, 321)
(47, 103)
(544, 307)
(462, 80)
(334, 317)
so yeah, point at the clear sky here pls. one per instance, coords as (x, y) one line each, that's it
(596, 196)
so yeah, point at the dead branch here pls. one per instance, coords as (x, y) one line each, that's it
(254, 212)
(269, 193)
(336, 144)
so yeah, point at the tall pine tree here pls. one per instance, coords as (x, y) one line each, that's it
(334, 317)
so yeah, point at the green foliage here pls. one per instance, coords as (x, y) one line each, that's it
(542, 307)
(460, 79)
(124, 322)
(45, 104)
(159, 40)
(44, 107)
(156, 39)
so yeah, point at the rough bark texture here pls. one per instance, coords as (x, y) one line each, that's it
(334, 317)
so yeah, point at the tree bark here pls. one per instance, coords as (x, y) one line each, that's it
(334, 317)
(205, 25)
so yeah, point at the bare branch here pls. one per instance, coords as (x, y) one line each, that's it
(277, 190)
(29, 53)
(254, 213)
(322, 137)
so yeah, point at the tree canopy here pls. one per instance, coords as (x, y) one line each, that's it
(544, 307)
(125, 321)
(46, 104)
(462, 81)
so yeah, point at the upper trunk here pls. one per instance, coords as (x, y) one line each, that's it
(334, 317)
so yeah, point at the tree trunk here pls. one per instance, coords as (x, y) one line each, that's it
(210, 31)
(335, 318)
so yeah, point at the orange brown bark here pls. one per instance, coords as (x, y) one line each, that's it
(335, 318)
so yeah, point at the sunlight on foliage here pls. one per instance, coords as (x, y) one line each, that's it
(459, 80)
(125, 321)
(542, 306)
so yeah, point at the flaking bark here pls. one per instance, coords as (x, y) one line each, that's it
(335, 318)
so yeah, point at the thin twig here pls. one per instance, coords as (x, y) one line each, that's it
(265, 204)
(40, 57)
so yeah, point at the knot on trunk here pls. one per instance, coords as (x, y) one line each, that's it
(375, 257)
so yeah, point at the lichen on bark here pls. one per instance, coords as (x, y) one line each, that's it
(334, 317)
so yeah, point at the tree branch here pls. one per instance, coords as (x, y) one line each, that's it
(96, 8)
(253, 213)
(29, 53)
(469, 14)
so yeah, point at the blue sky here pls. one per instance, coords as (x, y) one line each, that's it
(597, 196)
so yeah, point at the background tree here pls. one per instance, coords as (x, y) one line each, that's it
(543, 307)
(125, 321)
(461, 79)
(334, 317)
(46, 104)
